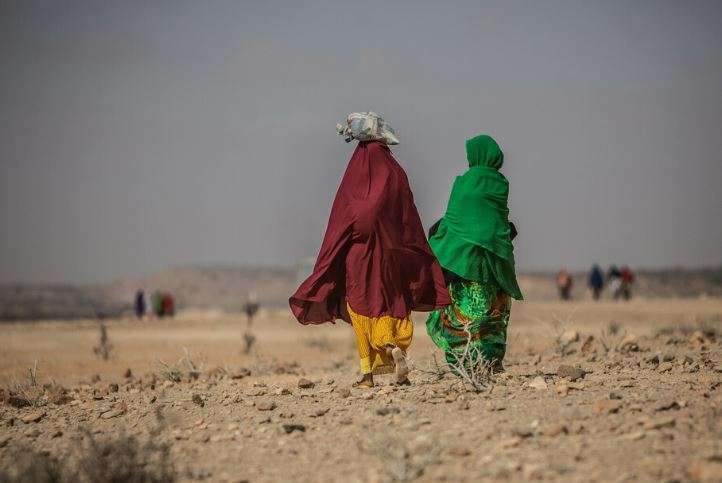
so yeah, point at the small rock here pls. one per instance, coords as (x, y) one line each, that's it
(664, 367)
(32, 433)
(113, 387)
(128, 373)
(571, 373)
(241, 373)
(522, 432)
(319, 412)
(266, 405)
(4, 440)
(283, 391)
(614, 395)
(555, 430)
(385, 410)
(635, 436)
(198, 400)
(538, 383)
(33, 417)
(666, 405)
(304, 383)
(291, 427)
(510, 443)
(460, 451)
(606, 406)
(658, 423)
(95, 378)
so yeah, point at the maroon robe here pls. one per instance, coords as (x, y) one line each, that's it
(375, 255)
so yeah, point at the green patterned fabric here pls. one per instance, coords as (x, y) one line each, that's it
(482, 309)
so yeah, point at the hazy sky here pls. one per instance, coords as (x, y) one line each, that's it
(136, 135)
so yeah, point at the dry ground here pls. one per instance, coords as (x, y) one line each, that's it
(647, 408)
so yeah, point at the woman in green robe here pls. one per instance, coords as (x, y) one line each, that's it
(473, 244)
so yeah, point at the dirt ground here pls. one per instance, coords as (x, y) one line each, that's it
(645, 406)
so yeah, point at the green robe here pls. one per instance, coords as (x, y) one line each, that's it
(474, 233)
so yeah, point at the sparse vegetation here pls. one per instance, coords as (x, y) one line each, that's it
(120, 460)
(104, 347)
(184, 368)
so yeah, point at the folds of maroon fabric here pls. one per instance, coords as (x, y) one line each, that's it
(374, 255)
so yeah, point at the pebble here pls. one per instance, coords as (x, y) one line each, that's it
(304, 383)
(198, 400)
(571, 373)
(555, 430)
(33, 417)
(512, 442)
(319, 412)
(266, 405)
(664, 367)
(661, 422)
(385, 410)
(460, 451)
(606, 406)
(667, 404)
(522, 432)
(291, 427)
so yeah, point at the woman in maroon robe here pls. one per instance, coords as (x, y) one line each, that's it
(375, 265)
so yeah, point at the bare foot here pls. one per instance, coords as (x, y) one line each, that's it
(402, 368)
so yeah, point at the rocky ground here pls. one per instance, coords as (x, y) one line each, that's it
(576, 405)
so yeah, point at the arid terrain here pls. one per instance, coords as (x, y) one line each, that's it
(592, 392)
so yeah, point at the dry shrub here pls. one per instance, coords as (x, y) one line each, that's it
(120, 460)
(104, 347)
(27, 391)
(611, 337)
(470, 366)
(30, 466)
(185, 368)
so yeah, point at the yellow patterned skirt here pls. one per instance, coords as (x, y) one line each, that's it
(374, 334)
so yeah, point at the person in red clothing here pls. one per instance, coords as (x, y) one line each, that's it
(627, 277)
(168, 305)
(375, 265)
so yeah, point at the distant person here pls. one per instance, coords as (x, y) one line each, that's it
(564, 284)
(156, 301)
(627, 277)
(596, 281)
(473, 244)
(168, 303)
(614, 280)
(140, 304)
(375, 265)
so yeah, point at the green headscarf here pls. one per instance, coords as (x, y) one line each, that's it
(473, 239)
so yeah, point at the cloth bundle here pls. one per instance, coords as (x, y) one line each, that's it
(367, 126)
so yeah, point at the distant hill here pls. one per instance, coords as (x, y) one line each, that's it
(227, 288)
